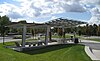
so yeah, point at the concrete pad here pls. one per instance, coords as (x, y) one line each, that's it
(96, 53)
(53, 43)
(90, 54)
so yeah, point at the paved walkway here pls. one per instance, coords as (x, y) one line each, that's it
(96, 53)
(94, 49)
(8, 39)
(91, 44)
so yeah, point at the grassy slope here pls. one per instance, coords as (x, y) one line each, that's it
(51, 53)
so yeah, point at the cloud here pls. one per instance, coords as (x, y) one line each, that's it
(74, 7)
(42, 7)
(96, 2)
(95, 10)
(29, 9)
(10, 10)
(15, 15)
(54, 17)
(95, 19)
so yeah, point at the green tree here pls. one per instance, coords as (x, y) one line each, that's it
(79, 30)
(91, 30)
(22, 21)
(87, 31)
(98, 31)
(95, 29)
(60, 32)
(0, 18)
(4, 21)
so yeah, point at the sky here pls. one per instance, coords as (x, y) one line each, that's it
(41, 11)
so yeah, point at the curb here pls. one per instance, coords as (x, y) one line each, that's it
(90, 53)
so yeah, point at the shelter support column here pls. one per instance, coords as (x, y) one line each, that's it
(24, 36)
(47, 34)
(63, 32)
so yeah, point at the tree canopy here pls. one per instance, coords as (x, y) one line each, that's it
(4, 21)
(22, 21)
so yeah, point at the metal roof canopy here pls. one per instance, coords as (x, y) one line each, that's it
(59, 22)
(28, 25)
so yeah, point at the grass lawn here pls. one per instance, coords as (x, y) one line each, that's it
(94, 39)
(90, 38)
(67, 36)
(50, 53)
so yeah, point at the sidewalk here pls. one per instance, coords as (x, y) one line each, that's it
(96, 53)
(92, 48)
(9, 40)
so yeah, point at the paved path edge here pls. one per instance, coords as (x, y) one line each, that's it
(90, 54)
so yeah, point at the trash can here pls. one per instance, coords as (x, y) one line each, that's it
(71, 38)
(76, 40)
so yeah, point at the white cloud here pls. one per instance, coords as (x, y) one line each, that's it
(74, 7)
(54, 17)
(10, 10)
(95, 11)
(96, 2)
(29, 9)
(95, 16)
(34, 8)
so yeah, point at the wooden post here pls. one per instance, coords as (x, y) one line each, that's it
(24, 36)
